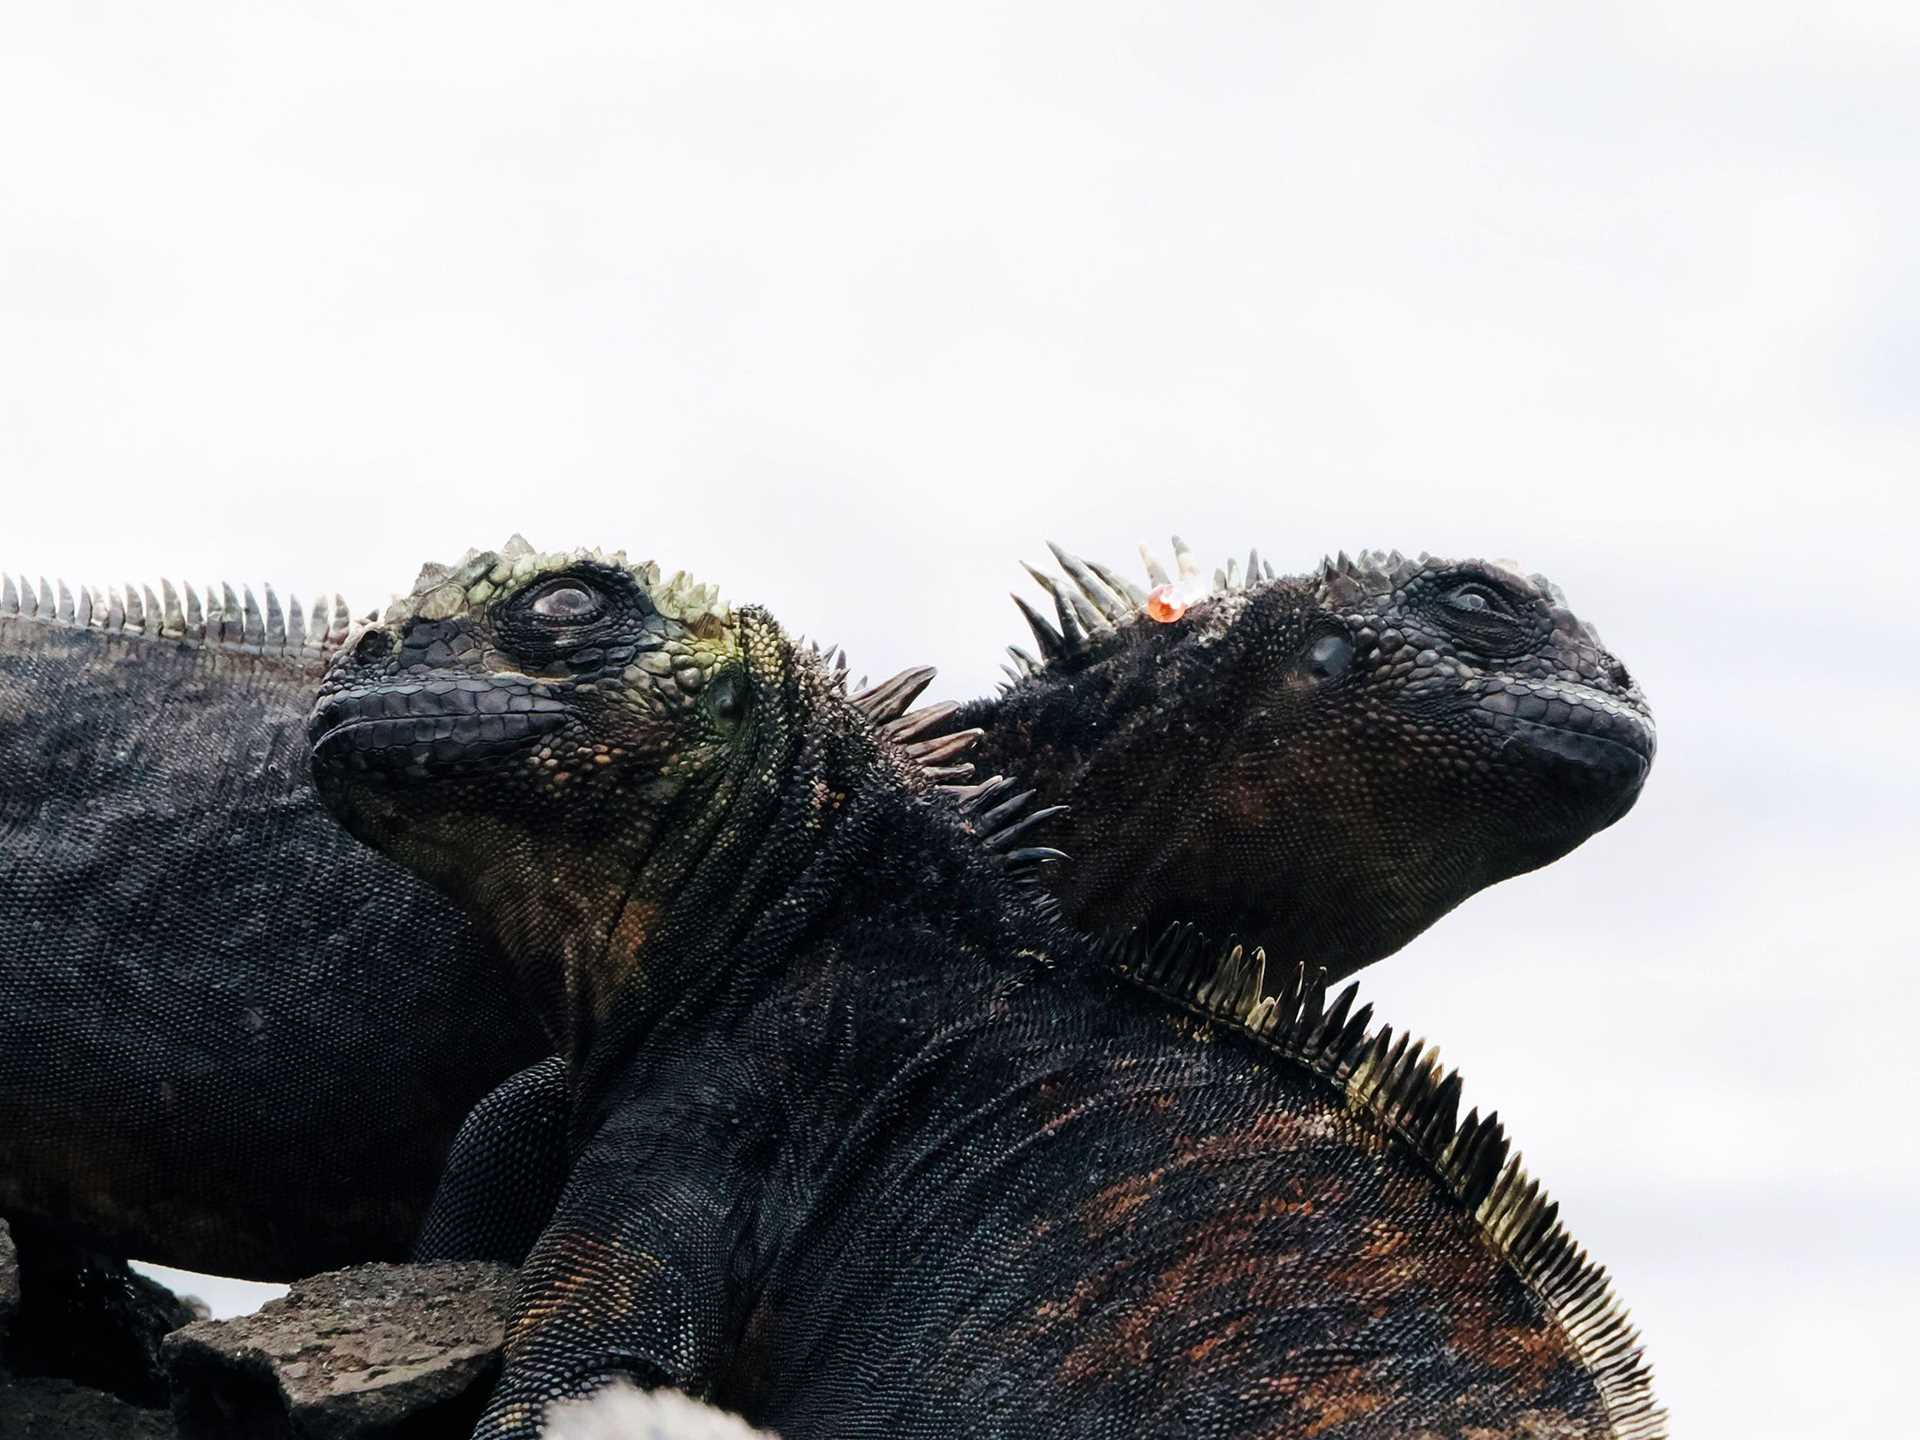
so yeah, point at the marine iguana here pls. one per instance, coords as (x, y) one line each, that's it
(864, 1140)
(232, 1039)
(1480, 730)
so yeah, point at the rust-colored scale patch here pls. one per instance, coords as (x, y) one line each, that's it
(1295, 1262)
(586, 1281)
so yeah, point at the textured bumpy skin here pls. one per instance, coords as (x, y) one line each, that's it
(1323, 764)
(863, 1140)
(231, 1038)
(188, 945)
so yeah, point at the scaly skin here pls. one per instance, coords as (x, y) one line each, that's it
(163, 862)
(231, 1039)
(864, 1141)
(1447, 725)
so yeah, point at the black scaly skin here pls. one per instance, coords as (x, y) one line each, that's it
(231, 1038)
(162, 858)
(1444, 725)
(864, 1140)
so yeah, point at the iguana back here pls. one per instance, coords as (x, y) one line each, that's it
(259, 1030)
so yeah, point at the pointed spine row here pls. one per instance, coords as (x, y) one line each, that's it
(236, 623)
(1398, 1082)
(1094, 602)
(999, 813)
(995, 810)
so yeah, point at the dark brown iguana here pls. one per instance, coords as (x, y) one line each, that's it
(232, 1039)
(863, 1140)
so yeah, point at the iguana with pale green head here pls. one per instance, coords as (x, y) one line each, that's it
(863, 1138)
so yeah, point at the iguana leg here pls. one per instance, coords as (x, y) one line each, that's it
(505, 1172)
(634, 1279)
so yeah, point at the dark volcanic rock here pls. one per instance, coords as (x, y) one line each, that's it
(376, 1352)
(44, 1408)
(80, 1315)
(48, 1409)
(9, 1281)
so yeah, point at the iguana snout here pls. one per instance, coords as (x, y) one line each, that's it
(464, 725)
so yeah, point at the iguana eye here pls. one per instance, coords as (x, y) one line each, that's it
(569, 601)
(1471, 597)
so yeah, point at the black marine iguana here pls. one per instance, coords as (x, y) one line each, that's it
(1479, 730)
(864, 1141)
(233, 1039)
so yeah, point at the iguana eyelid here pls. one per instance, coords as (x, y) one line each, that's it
(546, 602)
(1493, 602)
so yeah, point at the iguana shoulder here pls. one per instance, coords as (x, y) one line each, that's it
(864, 1139)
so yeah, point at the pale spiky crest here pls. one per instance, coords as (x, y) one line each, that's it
(1094, 603)
(480, 576)
(236, 625)
(1396, 1083)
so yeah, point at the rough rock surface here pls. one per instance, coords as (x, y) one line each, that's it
(377, 1352)
(9, 1280)
(88, 1317)
(40, 1408)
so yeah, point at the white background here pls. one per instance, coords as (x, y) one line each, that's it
(849, 307)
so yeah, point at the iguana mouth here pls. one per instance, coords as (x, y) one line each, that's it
(417, 729)
(1590, 740)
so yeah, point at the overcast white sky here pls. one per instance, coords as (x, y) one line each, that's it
(849, 307)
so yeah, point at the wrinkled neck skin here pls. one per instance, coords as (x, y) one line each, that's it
(1138, 778)
(587, 916)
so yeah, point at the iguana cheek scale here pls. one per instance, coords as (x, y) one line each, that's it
(865, 1142)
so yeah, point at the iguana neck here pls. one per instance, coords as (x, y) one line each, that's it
(1130, 746)
(744, 871)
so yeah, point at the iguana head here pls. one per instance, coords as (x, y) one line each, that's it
(522, 728)
(1322, 764)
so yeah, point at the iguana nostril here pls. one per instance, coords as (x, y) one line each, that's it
(373, 644)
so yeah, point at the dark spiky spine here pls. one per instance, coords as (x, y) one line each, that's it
(1396, 1083)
